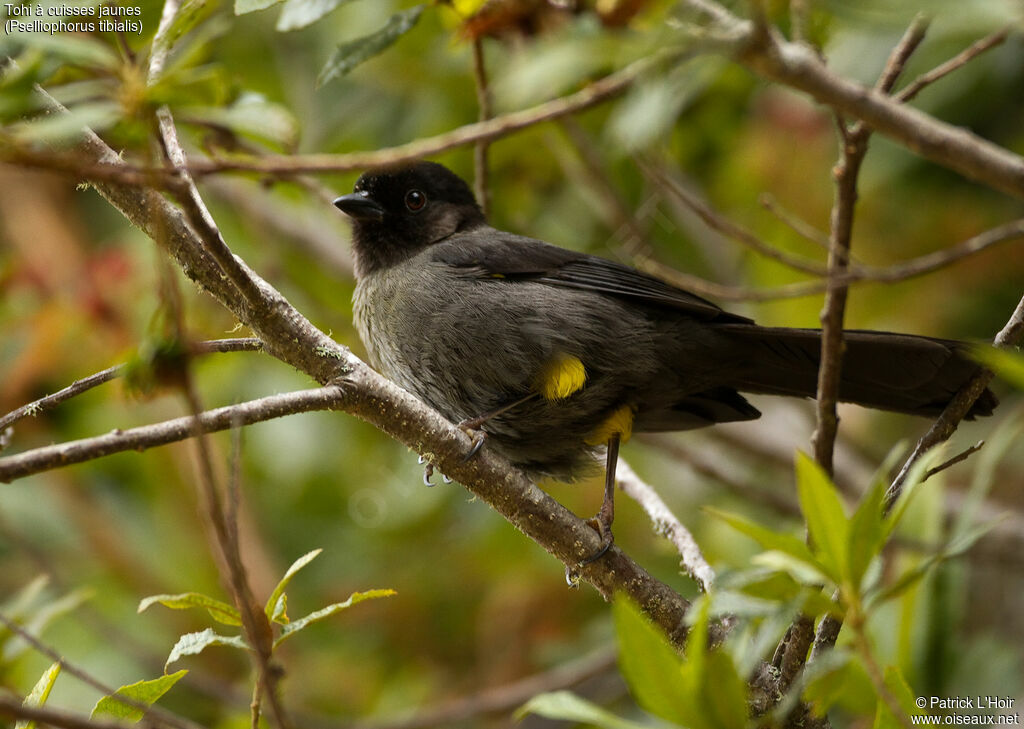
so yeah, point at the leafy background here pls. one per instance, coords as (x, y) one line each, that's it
(477, 606)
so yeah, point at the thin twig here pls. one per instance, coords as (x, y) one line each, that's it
(667, 525)
(900, 55)
(798, 225)
(12, 707)
(853, 147)
(919, 266)
(962, 456)
(716, 221)
(483, 100)
(799, 19)
(143, 437)
(244, 344)
(154, 713)
(595, 93)
(501, 699)
(957, 409)
(961, 59)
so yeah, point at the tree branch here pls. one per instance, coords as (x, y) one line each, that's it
(242, 344)
(666, 524)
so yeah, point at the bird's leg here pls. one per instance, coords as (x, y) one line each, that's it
(602, 522)
(470, 425)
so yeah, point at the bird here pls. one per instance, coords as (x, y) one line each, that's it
(551, 355)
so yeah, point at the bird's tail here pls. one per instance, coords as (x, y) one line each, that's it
(883, 370)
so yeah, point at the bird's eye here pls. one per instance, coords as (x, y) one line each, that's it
(415, 200)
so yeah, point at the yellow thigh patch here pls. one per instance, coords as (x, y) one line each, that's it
(619, 421)
(561, 376)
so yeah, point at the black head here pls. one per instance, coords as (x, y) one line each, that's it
(398, 211)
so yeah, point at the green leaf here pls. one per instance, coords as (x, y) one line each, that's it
(281, 611)
(300, 13)
(250, 6)
(271, 607)
(651, 107)
(190, 14)
(39, 694)
(713, 696)
(349, 55)
(826, 680)
(803, 572)
(356, 597)
(957, 546)
(867, 532)
(567, 706)
(252, 115)
(899, 690)
(192, 644)
(68, 126)
(767, 538)
(74, 50)
(141, 692)
(1006, 363)
(723, 695)
(35, 621)
(826, 519)
(219, 611)
(913, 480)
(649, 664)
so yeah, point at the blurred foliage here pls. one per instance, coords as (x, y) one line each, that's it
(478, 606)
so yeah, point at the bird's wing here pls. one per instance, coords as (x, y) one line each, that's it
(490, 253)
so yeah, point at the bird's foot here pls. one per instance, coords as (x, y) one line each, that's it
(469, 427)
(603, 528)
(428, 472)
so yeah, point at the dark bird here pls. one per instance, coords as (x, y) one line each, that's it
(554, 354)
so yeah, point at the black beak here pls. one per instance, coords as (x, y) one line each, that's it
(360, 206)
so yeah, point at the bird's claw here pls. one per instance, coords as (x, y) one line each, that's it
(604, 530)
(469, 427)
(428, 472)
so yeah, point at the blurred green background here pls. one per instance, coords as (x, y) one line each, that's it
(478, 605)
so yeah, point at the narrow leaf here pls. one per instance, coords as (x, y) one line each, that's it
(190, 14)
(141, 692)
(75, 50)
(899, 690)
(826, 681)
(826, 519)
(867, 532)
(648, 663)
(357, 597)
(281, 611)
(767, 538)
(250, 6)
(39, 694)
(251, 115)
(910, 484)
(220, 611)
(803, 572)
(1006, 363)
(36, 621)
(349, 55)
(567, 706)
(271, 606)
(192, 644)
(300, 13)
(66, 127)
